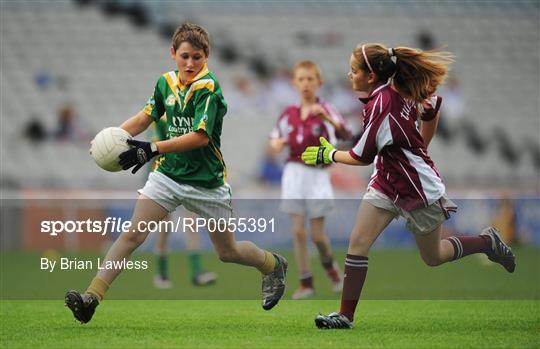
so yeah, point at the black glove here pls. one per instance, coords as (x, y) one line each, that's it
(138, 155)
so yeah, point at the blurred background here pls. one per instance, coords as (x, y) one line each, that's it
(71, 68)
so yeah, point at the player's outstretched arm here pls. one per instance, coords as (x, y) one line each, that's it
(344, 157)
(327, 154)
(137, 123)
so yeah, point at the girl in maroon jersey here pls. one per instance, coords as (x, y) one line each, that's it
(397, 87)
(306, 192)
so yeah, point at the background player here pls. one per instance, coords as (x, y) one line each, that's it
(198, 276)
(307, 192)
(397, 87)
(190, 171)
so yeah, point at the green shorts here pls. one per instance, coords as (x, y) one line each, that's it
(421, 221)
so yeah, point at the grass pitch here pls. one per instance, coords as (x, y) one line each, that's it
(243, 324)
(405, 304)
(392, 275)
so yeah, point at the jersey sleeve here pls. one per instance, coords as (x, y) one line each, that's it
(431, 106)
(377, 133)
(206, 111)
(155, 106)
(280, 129)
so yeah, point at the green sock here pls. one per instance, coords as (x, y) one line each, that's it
(195, 263)
(162, 262)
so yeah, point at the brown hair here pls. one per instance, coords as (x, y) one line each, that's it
(308, 65)
(416, 73)
(195, 34)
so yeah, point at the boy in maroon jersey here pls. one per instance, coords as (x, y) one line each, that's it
(397, 87)
(307, 191)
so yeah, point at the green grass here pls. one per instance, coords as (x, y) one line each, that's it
(243, 324)
(393, 274)
(405, 304)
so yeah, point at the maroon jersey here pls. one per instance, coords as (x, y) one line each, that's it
(301, 134)
(403, 169)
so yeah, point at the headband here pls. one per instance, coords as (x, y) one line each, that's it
(365, 59)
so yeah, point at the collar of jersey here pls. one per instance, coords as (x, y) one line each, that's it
(183, 86)
(375, 92)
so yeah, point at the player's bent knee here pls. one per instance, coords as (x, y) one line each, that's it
(432, 261)
(361, 245)
(134, 238)
(229, 256)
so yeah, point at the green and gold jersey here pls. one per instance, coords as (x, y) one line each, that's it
(188, 108)
(158, 130)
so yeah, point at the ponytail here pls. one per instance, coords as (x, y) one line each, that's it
(416, 74)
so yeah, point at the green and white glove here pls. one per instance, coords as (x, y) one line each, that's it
(323, 154)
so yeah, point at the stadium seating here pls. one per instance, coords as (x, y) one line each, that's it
(106, 67)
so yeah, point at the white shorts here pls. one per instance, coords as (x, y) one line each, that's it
(169, 194)
(306, 190)
(420, 221)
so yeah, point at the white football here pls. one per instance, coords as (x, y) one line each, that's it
(108, 144)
